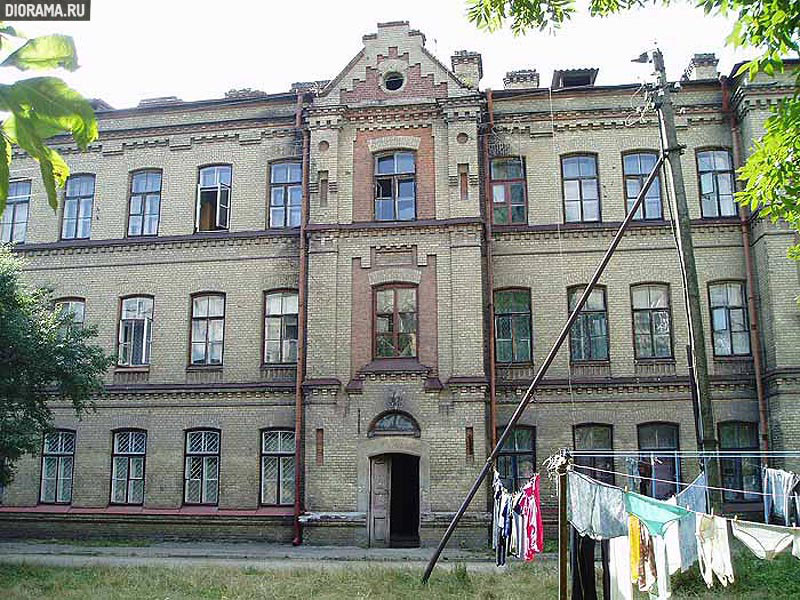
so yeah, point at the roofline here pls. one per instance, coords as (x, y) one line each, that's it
(587, 89)
(197, 104)
(737, 66)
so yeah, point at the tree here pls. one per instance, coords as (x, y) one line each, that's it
(44, 357)
(771, 176)
(41, 107)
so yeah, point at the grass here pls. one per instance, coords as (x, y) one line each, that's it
(755, 579)
(94, 543)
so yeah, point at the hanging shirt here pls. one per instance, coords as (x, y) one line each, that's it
(694, 499)
(595, 509)
(662, 589)
(778, 486)
(713, 550)
(619, 562)
(655, 514)
(533, 517)
(765, 541)
(672, 542)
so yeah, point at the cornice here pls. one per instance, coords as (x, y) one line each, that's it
(373, 228)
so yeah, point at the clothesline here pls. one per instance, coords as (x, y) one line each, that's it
(687, 485)
(690, 453)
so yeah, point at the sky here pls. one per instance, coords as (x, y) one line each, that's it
(197, 49)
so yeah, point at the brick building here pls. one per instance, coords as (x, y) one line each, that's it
(382, 218)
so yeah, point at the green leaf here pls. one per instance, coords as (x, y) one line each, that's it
(45, 52)
(52, 107)
(12, 31)
(5, 161)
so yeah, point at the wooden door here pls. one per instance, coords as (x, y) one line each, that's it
(380, 501)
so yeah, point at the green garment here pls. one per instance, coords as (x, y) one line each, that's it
(655, 514)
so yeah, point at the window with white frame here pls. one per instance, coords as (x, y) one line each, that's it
(581, 188)
(135, 331)
(208, 329)
(280, 327)
(395, 187)
(127, 467)
(14, 220)
(58, 461)
(78, 201)
(213, 198)
(145, 203)
(201, 476)
(286, 194)
(75, 308)
(589, 335)
(277, 467)
(715, 170)
(729, 319)
(637, 167)
(652, 327)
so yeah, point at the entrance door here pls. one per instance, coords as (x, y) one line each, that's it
(380, 500)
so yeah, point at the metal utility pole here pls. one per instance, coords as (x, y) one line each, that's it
(686, 248)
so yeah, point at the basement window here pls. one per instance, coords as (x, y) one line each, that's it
(213, 198)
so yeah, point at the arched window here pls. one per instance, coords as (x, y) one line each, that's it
(127, 466)
(509, 198)
(715, 170)
(14, 219)
(512, 325)
(280, 327)
(201, 471)
(636, 167)
(286, 194)
(145, 203)
(652, 323)
(394, 423)
(595, 437)
(213, 198)
(581, 189)
(277, 467)
(395, 187)
(729, 319)
(135, 331)
(58, 462)
(395, 321)
(77, 215)
(659, 465)
(589, 335)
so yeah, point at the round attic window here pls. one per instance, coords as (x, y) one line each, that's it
(393, 81)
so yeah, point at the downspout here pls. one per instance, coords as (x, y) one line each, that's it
(752, 312)
(487, 223)
(299, 470)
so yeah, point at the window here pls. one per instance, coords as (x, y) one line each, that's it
(277, 467)
(581, 191)
(75, 308)
(58, 461)
(516, 461)
(508, 191)
(395, 423)
(740, 473)
(208, 329)
(512, 326)
(658, 444)
(77, 219)
(716, 183)
(145, 203)
(396, 322)
(652, 330)
(637, 167)
(589, 334)
(14, 220)
(463, 181)
(286, 194)
(280, 327)
(393, 81)
(594, 437)
(127, 467)
(201, 476)
(729, 319)
(135, 331)
(395, 187)
(213, 198)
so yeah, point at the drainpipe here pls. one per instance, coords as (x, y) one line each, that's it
(301, 330)
(487, 223)
(752, 312)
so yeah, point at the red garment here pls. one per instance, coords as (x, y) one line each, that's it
(533, 519)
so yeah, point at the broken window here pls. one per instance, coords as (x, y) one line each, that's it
(395, 423)
(127, 467)
(135, 331)
(637, 167)
(201, 472)
(145, 203)
(286, 194)
(58, 461)
(509, 196)
(280, 327)
(396, 322)
(277, 467)
(652, 328)
(581, 190)
(208, 329)
(516, 461)
(716, 184)
(14, 220)
(78, 200)
(213, 198)
(729, 319)
(589, 333)
(395, 187)
(512, 326)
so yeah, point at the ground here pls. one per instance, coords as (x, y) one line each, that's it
(237, 571)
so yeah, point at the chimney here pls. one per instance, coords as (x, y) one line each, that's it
(468, 67)
(702, 66)
(573, 78)
(523, 79)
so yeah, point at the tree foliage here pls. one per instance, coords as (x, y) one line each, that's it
(771, 177)
(41, 107)
(44, 357)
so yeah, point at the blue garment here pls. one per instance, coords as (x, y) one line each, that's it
(655, 514)
(694, 498)
(595, 509)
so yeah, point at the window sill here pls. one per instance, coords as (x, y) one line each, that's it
(590, 363)
(289, 365)
(132, 369)
(738, 358)
(204, 368)
(654, 361)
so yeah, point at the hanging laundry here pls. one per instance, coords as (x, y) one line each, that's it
(534, 532)
(635, 549)
(662, 590)
(584, 586)
(764, 540)
(713, 550)
(655, 514)
(778, 489)
(693, 498)
(672, 542)
(520, 525)
(647, 569)
(634, 477)
(619, 550)
(595, 509)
